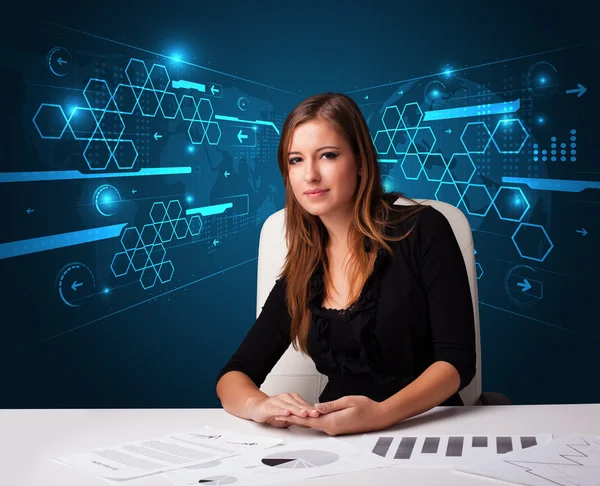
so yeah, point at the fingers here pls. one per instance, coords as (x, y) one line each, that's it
(312, 411)
(295, 404)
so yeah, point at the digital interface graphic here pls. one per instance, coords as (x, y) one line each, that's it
(129, 176)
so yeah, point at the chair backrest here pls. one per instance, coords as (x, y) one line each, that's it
(295, 372)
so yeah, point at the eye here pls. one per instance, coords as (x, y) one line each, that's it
(293, 161)
(333, 154)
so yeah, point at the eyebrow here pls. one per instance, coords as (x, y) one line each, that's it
(327, 146)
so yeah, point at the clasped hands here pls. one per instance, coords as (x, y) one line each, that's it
(347, 415)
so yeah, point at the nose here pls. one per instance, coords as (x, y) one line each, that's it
(311, 171)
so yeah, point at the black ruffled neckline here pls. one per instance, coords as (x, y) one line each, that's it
(360, 319)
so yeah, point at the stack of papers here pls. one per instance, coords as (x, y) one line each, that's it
(211, 456)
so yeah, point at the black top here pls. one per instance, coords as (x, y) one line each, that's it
(414, 309)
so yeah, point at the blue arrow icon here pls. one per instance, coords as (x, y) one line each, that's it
(61, 61)
(579, 90)
(400, 92)
(76, 285)
(157, 136)
(213, 90)
(215, 242)
(133, 191)
(227, 173)
(241, 137)
(367, 97)
(29, 210)
(582, 231)
(449, 131)
(525, 284)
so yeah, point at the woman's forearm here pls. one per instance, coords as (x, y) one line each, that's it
(436, 384)
(238, 393)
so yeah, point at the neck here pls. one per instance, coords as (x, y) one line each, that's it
(338, 228)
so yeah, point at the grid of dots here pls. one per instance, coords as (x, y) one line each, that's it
(566, 151)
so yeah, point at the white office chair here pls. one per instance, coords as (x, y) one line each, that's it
(295, 372)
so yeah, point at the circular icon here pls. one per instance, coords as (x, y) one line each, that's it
(75, 282)
(243, 103)
(435, 91)
(107, 199)
(59, 61)
(521, 285)
(388, 183)
(543, 79)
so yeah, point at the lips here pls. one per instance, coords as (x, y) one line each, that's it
(316, 191)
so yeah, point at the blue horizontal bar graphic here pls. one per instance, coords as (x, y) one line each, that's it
(74, 174)
(209, 210)
(553, 184)
(257, 122)
(45, 243)
(475, 110)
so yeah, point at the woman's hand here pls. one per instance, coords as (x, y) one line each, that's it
(277, 409)
(347, 415)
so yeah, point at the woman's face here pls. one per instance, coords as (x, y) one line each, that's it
(321, 160)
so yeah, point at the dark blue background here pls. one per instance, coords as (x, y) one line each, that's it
(167, 352)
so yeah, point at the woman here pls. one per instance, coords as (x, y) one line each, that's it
(376, 294)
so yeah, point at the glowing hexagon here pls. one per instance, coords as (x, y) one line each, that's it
(97, 94)
(50, 121)
(476, 137)
(166, 232)
(511, 204)
(97, 154)
(111, 125)
(448, 192)
(461, 168)
(169, 105)
(83, 124)
(174, 211)
(148, 102)
(213, 133)
(149, 276)
(158, 212)
(434, 167)
(136, 73)
(412, 167)
(139, 259)
(412, 115)
(479, 270)
(157, 254)
(382, 142)
(120, 264)
(149, 235)
(205, 110)
(424, 140)
(181, 228)
(188, 108)
(125, 99)
(477, 200)
(159, 77)
(125, 154)
(130, 238)
(165, 272)
(508, 133)
(530, 242)
(197, 132)
(195, 225)
(391, 118)
(401, 141)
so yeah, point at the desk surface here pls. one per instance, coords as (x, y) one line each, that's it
(30, 437)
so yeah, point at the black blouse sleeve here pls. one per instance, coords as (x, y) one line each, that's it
(266, 340)
(446, 283)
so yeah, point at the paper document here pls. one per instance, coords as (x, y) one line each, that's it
(290, 462)
(568, 461)
(447, 450)
(172, 451)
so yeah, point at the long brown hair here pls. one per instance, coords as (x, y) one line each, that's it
(306, 235)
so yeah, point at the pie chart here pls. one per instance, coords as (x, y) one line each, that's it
(218, 480)
(300, 459)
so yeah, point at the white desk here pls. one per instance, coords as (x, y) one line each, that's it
(28, 438)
